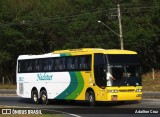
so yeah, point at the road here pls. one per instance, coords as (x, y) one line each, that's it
(79, 109)
(146, 94)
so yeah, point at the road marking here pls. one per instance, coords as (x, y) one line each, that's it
(63, 112)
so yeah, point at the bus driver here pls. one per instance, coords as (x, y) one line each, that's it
(110, 79)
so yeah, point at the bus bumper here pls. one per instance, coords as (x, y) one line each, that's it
(124, 96)
(119, 94)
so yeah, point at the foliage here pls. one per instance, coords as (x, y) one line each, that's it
(37, 26)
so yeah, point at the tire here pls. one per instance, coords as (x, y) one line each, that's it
(91, 98)
(44, 97)
(35, 96)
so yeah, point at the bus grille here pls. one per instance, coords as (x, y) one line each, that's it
(127, 90)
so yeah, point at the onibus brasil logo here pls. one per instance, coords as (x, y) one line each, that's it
(44, 76)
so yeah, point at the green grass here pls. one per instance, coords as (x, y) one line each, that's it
(7, 86)
(150, 84)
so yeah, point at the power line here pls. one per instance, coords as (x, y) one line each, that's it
(56, 19)
(72, 17)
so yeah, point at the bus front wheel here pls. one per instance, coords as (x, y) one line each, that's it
(44, 97)
(91, 98)
(35, 96)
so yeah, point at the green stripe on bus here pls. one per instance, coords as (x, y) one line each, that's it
(65, 54)
(72, 86)
(62, 54)
(79, 88)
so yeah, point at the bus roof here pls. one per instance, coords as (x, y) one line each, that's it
(78, 52)
(117, 51)
(96, 50)
(37, 56)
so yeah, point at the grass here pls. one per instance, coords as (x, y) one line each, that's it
(7, 86)
(150, 84)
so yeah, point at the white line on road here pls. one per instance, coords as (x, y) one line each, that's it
(63, 112)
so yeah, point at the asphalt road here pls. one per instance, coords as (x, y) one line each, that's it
(7, 91)
(79, 109)
(146, 94)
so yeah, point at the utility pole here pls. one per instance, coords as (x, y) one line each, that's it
(120, 25)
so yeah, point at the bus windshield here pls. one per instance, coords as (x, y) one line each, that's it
(125, 75)
(125, 70)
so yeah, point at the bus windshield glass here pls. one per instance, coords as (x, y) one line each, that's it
(125, 69)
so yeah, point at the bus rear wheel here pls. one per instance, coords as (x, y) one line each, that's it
(35, 96)
(44, 97)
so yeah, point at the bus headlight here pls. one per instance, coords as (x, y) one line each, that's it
(112, 91)
(138, 90)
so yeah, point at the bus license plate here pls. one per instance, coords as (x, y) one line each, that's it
(114, 97)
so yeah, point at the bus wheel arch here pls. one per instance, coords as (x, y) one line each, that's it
(90, 97)
(43, 96)
(34, 95)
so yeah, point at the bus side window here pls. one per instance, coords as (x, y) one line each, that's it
(72, 63)
(81, 62)
(85, 62)
(56, 67)
(88, 62)
(39, 65)
(51, 64)
(69, 62)
(29, 66)
(76, 60)
(25, 69)
(36, 65)
(47, 65)
(62, 64)
(20, 66)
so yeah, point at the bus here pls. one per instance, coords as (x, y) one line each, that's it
(80, 74)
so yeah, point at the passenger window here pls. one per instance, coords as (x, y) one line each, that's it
(76, 63)
(39, 65)
(57, 62)
(72, 63)
(48, 64)
(69, 63)
(62, 64)
(31, 66)
(85, 63)
(20, 66)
